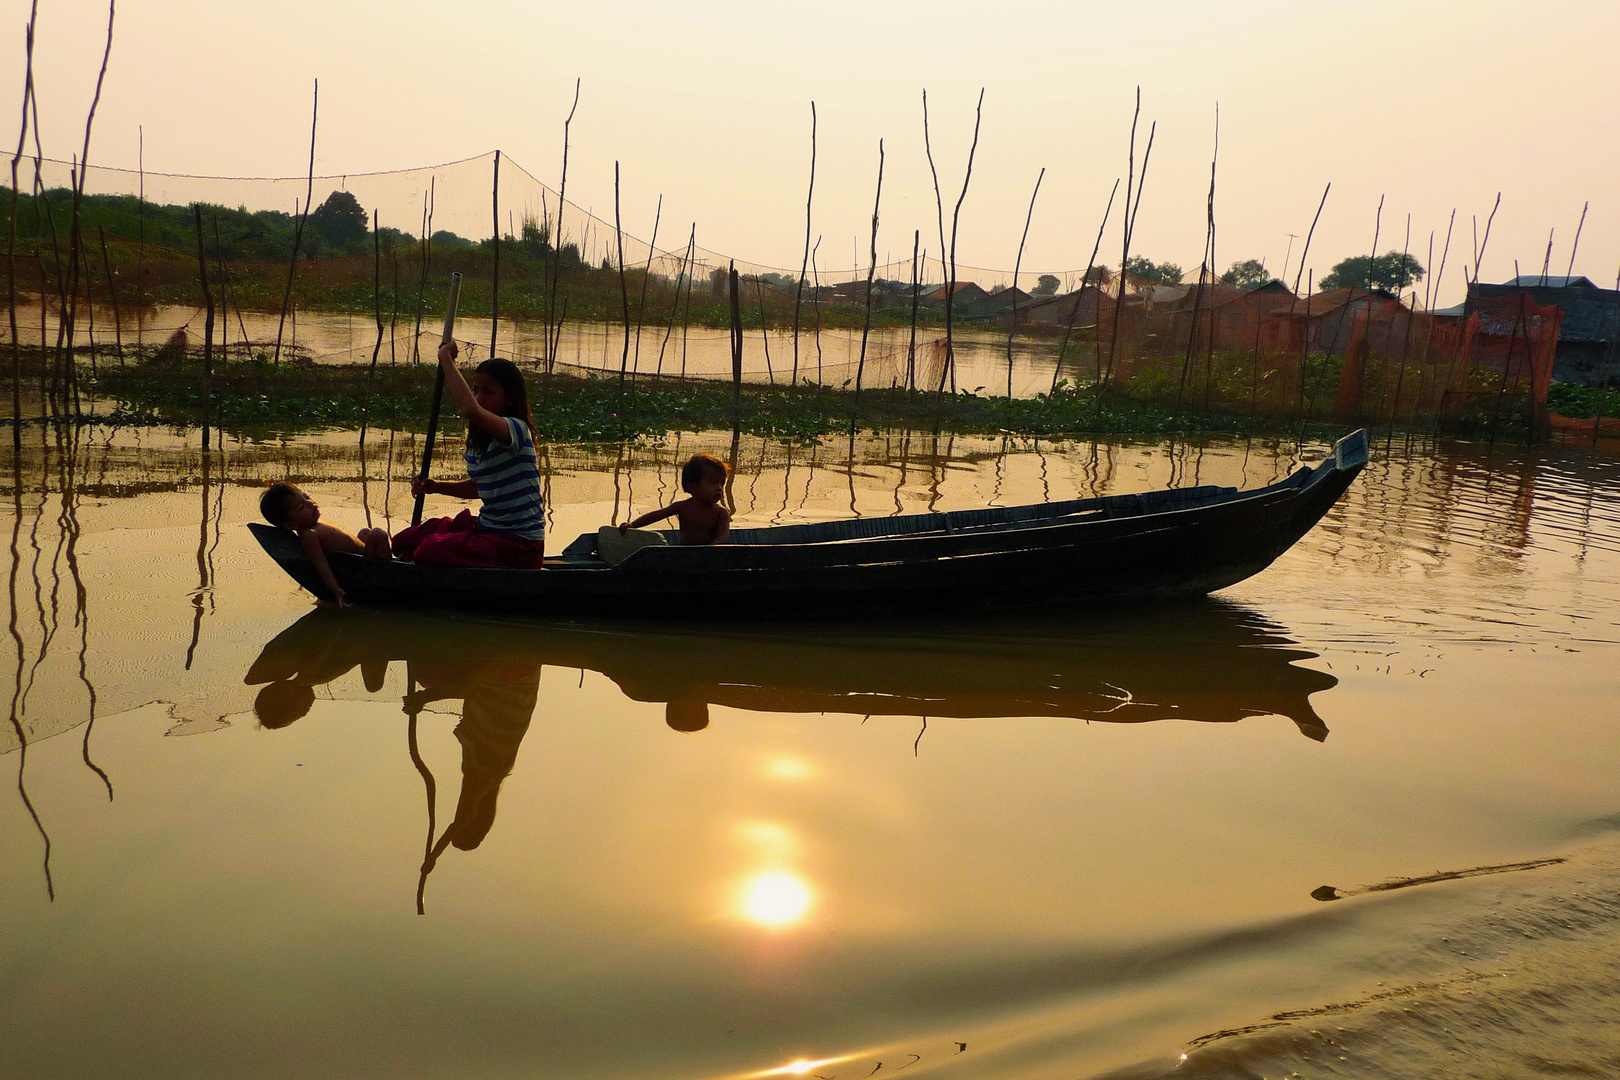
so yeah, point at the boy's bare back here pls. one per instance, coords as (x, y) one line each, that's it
(702, 522)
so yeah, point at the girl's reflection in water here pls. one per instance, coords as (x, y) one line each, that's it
(499, 692)
(499, 697)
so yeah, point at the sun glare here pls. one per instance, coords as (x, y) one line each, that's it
(775, 899)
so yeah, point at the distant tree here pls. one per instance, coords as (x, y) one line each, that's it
(341, 224)
(1392, 271)
(1045, 285)
(446, 238)
(1246, 274)
(1099, 275)
(1149, 272)
(719, 281)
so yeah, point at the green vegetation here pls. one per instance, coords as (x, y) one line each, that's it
(1246, 274)
(1392, 270)
(1581, 402)
(1146, 270)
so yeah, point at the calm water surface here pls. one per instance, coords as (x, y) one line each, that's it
(372, 843)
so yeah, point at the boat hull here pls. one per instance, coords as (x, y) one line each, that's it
(1107, 552)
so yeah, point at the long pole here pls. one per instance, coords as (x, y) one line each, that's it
(298, 228)
(438, 391)
(1012, 327)
(804, 264)
(208, 323)
(495, 239)
(11, 248)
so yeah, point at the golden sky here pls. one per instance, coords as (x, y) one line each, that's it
(1431, 105)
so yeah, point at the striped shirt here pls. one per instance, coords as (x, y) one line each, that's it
(508, 478)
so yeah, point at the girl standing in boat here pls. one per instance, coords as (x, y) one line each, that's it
(502, 471)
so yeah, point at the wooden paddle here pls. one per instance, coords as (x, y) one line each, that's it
(438, 391)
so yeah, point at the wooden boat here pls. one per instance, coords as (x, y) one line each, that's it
(1211, 661)
(1161, 545)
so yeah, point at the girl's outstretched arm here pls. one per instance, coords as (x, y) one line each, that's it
(475, 414)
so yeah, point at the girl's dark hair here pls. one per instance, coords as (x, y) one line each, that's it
(510, 380)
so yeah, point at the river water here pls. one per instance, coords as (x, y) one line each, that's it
(827, 357)
(371, 843)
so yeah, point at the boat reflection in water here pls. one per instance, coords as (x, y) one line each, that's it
(1208, 661)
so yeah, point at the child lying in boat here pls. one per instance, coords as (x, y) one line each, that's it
(286, 506)
(703, 519)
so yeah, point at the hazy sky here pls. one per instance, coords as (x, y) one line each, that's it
(1433, 105)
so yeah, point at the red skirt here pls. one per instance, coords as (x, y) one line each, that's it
(459, 542)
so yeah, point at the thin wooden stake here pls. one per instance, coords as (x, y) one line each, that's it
(736, 353)
(298, 230)
(1576, 246)
(1012, 327)
(495, 276)
(376, 304)
(871, 273)
(11, 243)
(1079, 294)
(916, 295)
(646, 279)
(208, 323)
(798, 288)
(554, 318)
(624, 290)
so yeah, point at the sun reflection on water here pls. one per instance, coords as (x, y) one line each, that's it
(775, 899)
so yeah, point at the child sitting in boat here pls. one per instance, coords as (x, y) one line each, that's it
(286, 506)
(503, 473)
(703, 519)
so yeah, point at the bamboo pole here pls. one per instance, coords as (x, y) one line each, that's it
(438, 392)
(624, 291)
(553, 316)
(798, 287)
(75, 231)
(956, 218)
(736, 355)
(208, 323)
(1480, 246)
(1209, 344)
(1608, 357)
(680, 285)
(916, 295)
(1206, 271)
(1018, 264)
(764, 329)
(1131, 210)
(1304, 347)
(1079, 294)
(140, 250)
(112, 290)
(428, 198)
(866, 322)
(11, 241)
(646, 279)
(298, 230)
(495, 276)
(376, 305)
(815, 309)
(1576, 246)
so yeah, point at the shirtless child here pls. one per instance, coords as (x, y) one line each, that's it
(287, 507)
(703, 519)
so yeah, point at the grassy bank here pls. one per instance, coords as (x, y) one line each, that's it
(253, 397)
